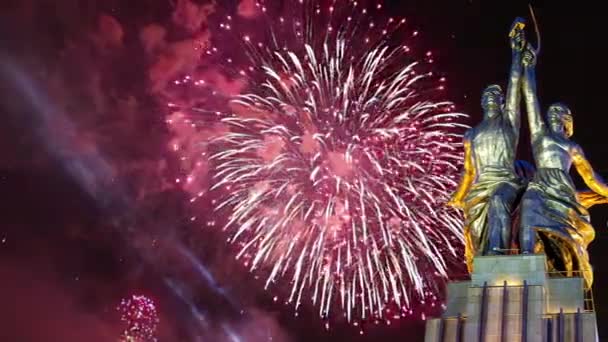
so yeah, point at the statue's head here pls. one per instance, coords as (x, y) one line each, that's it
(492, 100)
(559, 119)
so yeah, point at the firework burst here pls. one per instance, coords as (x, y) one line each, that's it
(139, 313)
(334, 167)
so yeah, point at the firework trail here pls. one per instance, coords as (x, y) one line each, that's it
(331, 170)
(141, 317)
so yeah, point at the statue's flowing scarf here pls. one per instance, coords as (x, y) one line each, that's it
(561, 222)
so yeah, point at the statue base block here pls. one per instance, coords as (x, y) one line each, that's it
(513, 298)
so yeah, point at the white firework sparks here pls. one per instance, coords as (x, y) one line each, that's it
(335, 169)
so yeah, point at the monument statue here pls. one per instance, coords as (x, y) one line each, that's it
(489, 185)
(552, 216)
(553, 219)
(510, 205)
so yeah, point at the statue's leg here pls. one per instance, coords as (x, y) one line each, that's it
(499, 219)
(527, 234)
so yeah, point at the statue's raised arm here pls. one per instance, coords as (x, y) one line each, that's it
(535, 120)
(513, 102)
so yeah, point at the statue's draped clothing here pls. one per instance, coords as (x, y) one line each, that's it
(561, 222)
(490, 200)
(478, 203)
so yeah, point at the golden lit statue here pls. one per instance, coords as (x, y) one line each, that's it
(490, 185)
(553, 217)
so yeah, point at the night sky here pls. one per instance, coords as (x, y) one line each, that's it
(88, 216)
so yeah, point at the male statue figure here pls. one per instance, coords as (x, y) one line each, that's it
(490, 185)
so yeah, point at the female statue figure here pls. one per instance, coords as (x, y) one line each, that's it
(553, 219)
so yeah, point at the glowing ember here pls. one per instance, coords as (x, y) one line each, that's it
(139, 313)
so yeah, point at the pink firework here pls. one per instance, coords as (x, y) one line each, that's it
(331, 170)
(140, 316)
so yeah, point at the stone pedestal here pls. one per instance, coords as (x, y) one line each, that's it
(512, 298)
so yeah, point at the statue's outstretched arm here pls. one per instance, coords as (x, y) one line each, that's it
(583, 167)
(513, 99)
(467, 178)
(535, 120)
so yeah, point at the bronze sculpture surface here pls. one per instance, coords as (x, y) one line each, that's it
(552, 217)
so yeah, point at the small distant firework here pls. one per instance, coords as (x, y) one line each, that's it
(140, 315)
(333, 168)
